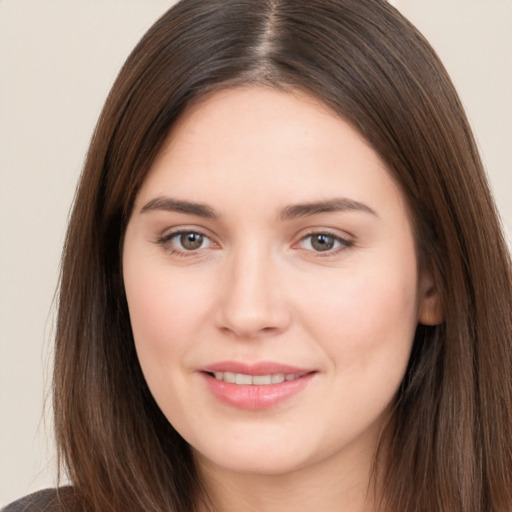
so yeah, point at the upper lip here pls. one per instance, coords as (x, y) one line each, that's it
(260, 368)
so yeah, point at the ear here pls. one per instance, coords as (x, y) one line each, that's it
(430, 310)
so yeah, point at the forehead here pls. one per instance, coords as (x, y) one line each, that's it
(285, 117)
(259, 149)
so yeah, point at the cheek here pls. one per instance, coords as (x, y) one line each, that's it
(163, 305)
(366, 320)
(365, 326)
(166, 315)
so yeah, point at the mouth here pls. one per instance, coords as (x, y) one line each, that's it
(255, 387)
(243, 379)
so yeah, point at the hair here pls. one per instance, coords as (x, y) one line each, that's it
(449, 446)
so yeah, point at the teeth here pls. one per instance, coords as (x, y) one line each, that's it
(255, 380)
(228, 377)
(240, 378)
(262, 380)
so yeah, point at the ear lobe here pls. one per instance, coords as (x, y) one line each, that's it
(430, 310)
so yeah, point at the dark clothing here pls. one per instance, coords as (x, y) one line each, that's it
(49, 500)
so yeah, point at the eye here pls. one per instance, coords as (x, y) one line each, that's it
(182, 242)
(323, 242)
(189, 241)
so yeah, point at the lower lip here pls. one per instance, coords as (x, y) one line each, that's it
(254, 397)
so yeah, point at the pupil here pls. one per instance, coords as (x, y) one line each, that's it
(323, 242)
(191, 241)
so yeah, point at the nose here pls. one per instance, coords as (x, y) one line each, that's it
(252, 299)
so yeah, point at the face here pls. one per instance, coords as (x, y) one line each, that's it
(272, 283)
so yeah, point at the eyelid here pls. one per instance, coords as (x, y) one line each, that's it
(346, 241)
(164, 240)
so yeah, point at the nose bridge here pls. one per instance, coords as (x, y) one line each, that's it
(252, 300)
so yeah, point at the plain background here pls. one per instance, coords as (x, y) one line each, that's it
(58, 60)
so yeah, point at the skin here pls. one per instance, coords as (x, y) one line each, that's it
(258, 289)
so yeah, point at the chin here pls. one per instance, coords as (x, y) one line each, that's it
(264, 455)
(252, 462)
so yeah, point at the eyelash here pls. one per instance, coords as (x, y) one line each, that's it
(343, 243)
(165, 240)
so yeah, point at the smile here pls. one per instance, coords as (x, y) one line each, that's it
(255, 386)
(255, 380)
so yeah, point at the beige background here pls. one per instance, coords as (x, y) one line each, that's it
(57, 62)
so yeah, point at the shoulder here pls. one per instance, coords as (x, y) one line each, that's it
(48, 500)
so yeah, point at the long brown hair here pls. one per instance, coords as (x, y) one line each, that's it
(450, 442)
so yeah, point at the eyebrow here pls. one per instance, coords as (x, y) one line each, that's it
(289, 212)
(342, 204)
(170, 204)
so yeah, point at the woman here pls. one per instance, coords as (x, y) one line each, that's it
(284, 284)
